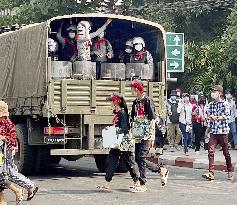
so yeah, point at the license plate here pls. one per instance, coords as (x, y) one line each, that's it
(52, 139)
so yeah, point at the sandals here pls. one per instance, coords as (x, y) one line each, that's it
(209, 176)
(19, 196)
(102, 187)
(142, 188)
(164, 179)
(31, 196)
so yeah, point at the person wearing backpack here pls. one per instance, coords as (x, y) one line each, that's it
(143, 130)
(173, 131)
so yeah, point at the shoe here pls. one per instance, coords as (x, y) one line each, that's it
(235, 148)
(141, 188)
(209, 176)
(136, 184)
(186, 153)
(172, 149)
(31, 195)
(230, 176)
(197, 152)
(164, 178)
(177, 148)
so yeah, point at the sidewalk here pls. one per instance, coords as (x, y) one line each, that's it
(200, 161)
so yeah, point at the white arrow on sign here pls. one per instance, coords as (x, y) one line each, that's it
(175, 52)
(176, 40)
(174, 64)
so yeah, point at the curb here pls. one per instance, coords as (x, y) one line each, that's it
(190, 163)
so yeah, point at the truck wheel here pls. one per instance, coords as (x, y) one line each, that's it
(101, 164)
(55, 159)
(25, 157)
(42, 160)
(100, 161)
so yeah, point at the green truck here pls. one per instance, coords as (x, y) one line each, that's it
(64, 118)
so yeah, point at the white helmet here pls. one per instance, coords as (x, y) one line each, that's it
(129, 42)
(86, 24)
(53, 45)
(139, 40)
(72, 27)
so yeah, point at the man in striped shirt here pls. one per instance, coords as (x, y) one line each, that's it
(218, 115)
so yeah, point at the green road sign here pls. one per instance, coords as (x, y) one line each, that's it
(174, 52)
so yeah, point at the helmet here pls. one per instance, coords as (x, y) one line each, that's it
(86, 24)
(129, 42)
(139, 40)
(72, 27)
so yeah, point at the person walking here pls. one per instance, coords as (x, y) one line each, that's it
(185, 121)
(232, 125)
(199, 122)
(8, 134)
(143, 129)
(125, 145)
(173, 130)
(218, 115)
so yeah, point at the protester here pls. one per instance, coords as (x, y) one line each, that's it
(84, 38)
(125, 57)
(102, 51)
(140, 53)
(199, 122)
(218, 117)
(173, 131)
(143, 129)
(124, 147)
(69, 44)
(232, 125)
(8, 134)
(185, 121)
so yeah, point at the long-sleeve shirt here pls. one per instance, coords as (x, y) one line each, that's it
(232, 106)
(220, 108)
(7, 129)
(185, 110)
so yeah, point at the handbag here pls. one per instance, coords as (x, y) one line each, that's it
(138, 129)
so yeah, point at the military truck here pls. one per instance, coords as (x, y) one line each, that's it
(64, 118)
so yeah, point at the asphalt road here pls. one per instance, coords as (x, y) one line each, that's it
(75, 183)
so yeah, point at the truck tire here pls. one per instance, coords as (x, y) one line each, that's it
(25, 157)
(55, 159)
(42, 160)
(101, 164)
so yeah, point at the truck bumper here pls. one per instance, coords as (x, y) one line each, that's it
(63, 152)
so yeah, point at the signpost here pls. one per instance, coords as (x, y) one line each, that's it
(175, 52)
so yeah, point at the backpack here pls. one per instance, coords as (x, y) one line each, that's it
(174, 118)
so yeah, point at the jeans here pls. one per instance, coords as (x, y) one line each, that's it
(141, 152)
(232, 126)
(221, 139)
(186, 136)
(113, 160)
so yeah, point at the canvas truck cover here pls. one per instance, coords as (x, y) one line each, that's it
(23, 65)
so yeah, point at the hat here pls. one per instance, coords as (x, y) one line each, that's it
(3, 109)
(217, 88)
(173, 93)
(138, 84)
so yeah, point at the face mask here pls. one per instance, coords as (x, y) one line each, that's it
(178, 93)
(138, 47)
(228, 96)
(214, 96)
(72, 35)
(128, 50)
(173, 98)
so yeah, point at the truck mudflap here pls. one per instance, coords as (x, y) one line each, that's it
(68, 152)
